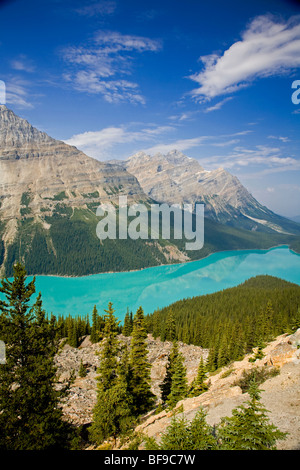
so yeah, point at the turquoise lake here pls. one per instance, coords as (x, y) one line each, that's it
(162, 285)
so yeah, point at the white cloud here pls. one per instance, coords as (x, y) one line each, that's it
(218, 105)
(180, 145)
(98, 144)
(17, 93)
(102, 8)
(267, 47)
(283, 139)
(269, 159)
(226, 143)
(101, 68)
(23, 64)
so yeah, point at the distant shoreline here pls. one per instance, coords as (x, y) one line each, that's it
(161, 265)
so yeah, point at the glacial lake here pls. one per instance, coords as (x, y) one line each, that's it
(159, 286)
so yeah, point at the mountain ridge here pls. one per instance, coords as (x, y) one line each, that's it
(49, 193)
(176, 178)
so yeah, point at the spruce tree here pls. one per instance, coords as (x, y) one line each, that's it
(155, 325)
(127, 328)
(177, 436)
(170, 330)
(249, 428)
(30, 417)
(179, 388)
(82, 370)
(167, 382)
(201, 433)
(112, 412)
(94, 330)
(184, 435)
(198, 385)
(140, 380)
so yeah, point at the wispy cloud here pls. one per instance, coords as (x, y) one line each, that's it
(102, 8)
(218, 105)
(22, 64)
(180, 144)
(283, 139)
(98, 144)
(268, 159)
(102, 67)
(17, 93)
(267, 47)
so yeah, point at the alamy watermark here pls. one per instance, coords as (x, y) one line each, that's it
(296, 94)
(2, 92)
(152, 222)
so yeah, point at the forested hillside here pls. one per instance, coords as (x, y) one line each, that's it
(231, 322)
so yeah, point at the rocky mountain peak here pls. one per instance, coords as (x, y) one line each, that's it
(16, 132)
(176, 178)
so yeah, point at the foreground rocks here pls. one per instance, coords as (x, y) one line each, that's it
(83, 393)
(280, 395)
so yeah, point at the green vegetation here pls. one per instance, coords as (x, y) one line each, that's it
(182, 435)
(30, 418)
(232, 322)
(139, 381)
(95, 194)
(255, 432)
(112, 413)
(59, 197)
(257, 375)
(25, 199)
(247, 429)
(30, 413)
(71, 247)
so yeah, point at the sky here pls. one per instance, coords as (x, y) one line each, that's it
(218, 81)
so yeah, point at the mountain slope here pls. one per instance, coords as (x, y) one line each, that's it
(176, 178)
(49, 193)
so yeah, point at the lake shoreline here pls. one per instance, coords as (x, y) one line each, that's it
(161, 265)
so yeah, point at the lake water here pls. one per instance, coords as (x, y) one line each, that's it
(162, 285)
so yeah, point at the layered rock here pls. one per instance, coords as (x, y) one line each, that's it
(47, 170)
(176, 178)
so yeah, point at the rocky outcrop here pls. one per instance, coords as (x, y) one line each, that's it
(280, 393)
(82, 398)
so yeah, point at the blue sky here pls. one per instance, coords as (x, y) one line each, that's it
(211, 79)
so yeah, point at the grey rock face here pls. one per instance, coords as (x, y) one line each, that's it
(34, 164)
(177, 179)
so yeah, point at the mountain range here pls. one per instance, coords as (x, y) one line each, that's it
(49, 193)
(176, 178)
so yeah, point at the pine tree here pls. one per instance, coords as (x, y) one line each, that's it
(182, 435)
(30, 417)
(140, 381)
(73, 336)
(249, 428)
(112, 412)
(155, 325)
(201, 434)
(82, 370)
(167, 382)
(177, 436)
(179, 388)
(94, 330)
(170, 330)
(127, 329)
(198, 385)
(212, 359)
